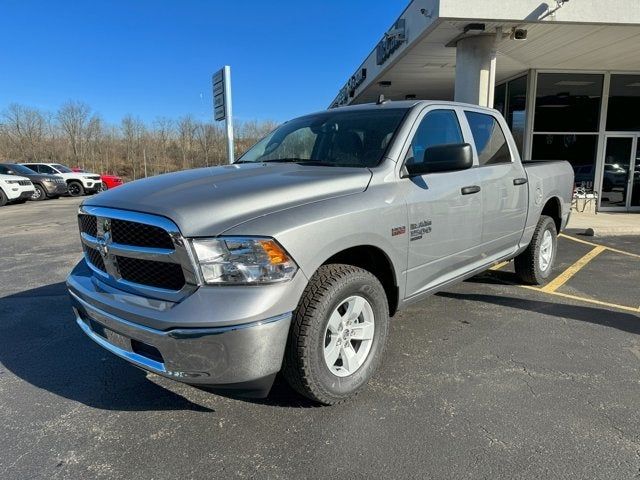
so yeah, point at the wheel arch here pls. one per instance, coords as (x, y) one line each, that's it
(374, 260)
(553, 208)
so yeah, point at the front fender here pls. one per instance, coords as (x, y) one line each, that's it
(315, 232)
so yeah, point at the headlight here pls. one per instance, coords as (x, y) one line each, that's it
(13, 182)
(241, 260)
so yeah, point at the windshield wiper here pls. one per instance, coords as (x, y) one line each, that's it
(284, 160)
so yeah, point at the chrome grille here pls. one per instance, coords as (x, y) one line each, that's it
(148, 272)
(138, 252)
(24, 183)
(88, 224)
(140, 234)
(95, 258)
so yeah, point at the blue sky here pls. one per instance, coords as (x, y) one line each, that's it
(155, 58)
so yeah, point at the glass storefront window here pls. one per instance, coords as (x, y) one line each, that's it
(579, 150)
(624, 103)
(567, 102)
(500, 98)
(510, 99)
(516, 113)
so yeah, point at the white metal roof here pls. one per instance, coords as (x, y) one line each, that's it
(582, 35)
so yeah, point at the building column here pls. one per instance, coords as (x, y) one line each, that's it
(476, 70)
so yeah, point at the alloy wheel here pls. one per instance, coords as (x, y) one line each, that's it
(349, 336)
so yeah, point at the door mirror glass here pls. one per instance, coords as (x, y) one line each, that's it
(443, 158)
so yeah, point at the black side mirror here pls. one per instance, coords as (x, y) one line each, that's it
(443, 158)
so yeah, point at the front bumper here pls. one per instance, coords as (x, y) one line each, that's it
(92, 186)
(225, 355)
(26, 195)
(55, 188)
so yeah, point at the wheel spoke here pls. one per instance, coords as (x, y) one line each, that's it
(362, 331)
(334, 322)
(356, 304)
(349, 358)
(331, 352)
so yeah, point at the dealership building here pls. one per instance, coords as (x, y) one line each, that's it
(565, 74)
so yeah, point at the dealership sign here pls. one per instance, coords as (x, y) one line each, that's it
(391, 42)
(349, 90)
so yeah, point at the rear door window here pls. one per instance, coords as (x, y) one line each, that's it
(491, 144)
(46, 169)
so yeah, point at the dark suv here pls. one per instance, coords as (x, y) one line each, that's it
(46, 186)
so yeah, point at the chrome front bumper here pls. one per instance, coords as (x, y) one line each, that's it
(216, 356)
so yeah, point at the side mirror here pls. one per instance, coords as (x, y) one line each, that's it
(443, 158)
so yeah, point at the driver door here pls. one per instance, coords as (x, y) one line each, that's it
(444, 209)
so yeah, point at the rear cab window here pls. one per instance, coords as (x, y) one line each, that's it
(490, 141)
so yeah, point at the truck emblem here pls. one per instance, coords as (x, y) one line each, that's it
(103, 244)
(420, 229)
(395, 231)
(104, 240)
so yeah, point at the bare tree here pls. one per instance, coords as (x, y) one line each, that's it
(24, 129)
(186, 135)
(132, 131)
(76, 136)
(163, 134)
(73, 118)
(208, 136)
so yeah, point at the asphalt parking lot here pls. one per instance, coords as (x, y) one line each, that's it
(485, 380)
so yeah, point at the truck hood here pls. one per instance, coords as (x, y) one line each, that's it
(208, 201)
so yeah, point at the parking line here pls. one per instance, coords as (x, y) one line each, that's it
(615, 250)
(583, 299)
(572, 270)
(498, 266)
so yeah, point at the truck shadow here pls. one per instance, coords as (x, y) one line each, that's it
(627, 322)
(41, 344)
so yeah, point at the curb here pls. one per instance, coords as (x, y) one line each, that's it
(605, 231)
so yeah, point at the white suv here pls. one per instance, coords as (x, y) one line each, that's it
(79, 183)
(15, 189)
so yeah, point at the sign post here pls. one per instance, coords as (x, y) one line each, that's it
(222, 104)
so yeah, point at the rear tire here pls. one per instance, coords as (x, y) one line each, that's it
(76, 189)
(39, 193)
(338, 334)
(534, 265)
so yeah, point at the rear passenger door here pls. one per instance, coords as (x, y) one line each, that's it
(444, 224)
(503, 182)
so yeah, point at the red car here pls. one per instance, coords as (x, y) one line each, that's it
(108, 181)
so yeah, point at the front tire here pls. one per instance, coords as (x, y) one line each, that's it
(76, 189)
(39, 194)
(338, 334)
(534, 265)
(3, 199)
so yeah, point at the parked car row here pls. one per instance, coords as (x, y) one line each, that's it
(38, 181)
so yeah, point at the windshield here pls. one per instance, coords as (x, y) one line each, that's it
(21, 169)
(61, 168)
(356, 138)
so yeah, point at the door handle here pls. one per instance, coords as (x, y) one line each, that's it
(519, 181)
(470, 190)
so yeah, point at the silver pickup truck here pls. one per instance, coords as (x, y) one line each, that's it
(293, 259)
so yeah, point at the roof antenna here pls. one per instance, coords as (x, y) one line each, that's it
(381, 100)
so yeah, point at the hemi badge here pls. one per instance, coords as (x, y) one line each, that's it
(395, 231)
